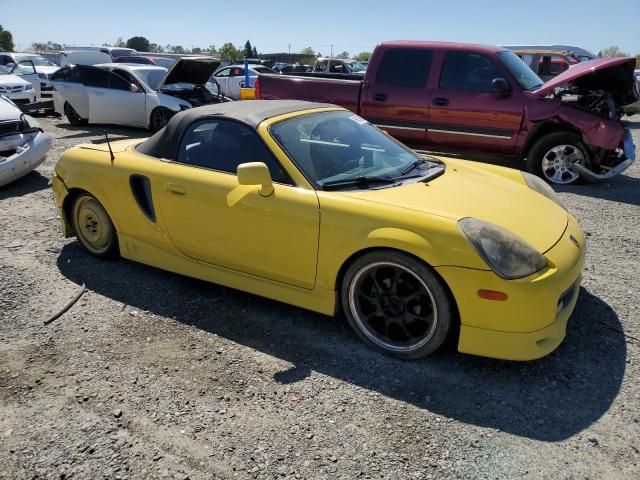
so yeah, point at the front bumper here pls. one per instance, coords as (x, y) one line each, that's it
(22, 98)
(30, 150)
(60, 192)
(532, 322)
(627, 157)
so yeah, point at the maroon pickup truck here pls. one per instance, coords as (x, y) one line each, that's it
(484, 99)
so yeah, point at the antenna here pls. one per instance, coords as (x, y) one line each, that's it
(106, 136)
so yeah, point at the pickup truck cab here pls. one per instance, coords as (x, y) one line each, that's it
(484, 99)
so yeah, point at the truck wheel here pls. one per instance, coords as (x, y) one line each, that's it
(159, 118)
(552, 157)
(74, 118)
(396, 304)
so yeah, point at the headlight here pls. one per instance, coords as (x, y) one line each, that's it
(28, 87)
(508, 255)
(542, 187)
(43, 76)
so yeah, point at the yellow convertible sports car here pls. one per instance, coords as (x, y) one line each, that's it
(311, 205)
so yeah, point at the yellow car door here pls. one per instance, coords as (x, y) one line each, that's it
(211, 218)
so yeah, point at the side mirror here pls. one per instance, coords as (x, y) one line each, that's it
(255, 173)
(134, 88)
(500, 88)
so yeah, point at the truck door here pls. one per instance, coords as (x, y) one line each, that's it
(465, 114)
(397, 97)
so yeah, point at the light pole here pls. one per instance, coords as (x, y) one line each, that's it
(332, 50)
(289, 53)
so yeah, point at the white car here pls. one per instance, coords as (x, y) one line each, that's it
(23, 144)
(43, 67)
(17, 88)
(231, 78)
(132, 94)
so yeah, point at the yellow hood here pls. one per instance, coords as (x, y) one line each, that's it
(467, 189)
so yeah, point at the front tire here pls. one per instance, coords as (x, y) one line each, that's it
(552, 157)
(74, 117)
(159, 118)
(93, 227)
(396, 304)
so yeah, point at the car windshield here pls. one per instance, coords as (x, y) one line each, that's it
(526, 77)
(4, 71)
(152, 77)
(37, 61)
(357, 67)
(340, 149)
(262, 69)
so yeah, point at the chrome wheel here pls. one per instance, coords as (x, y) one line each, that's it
(93, 226)
(392, 306)
(557, 164)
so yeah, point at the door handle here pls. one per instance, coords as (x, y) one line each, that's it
(176, 189)
(441, 101)
(380, 97)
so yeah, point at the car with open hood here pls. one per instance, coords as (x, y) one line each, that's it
(23, 144)
(484, 101)
(137, 95)
(312, 205)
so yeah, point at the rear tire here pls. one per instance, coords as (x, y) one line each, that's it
(160, 116)
(551, 157)
(396, 304)
(93, 227)
(74, 118)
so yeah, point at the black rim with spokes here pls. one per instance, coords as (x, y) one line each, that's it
(393, 306)
(160, 118)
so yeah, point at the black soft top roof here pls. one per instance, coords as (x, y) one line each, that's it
(165, 142)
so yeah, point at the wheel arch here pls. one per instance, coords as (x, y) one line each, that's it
(67, 205)
(360, 253)
(544, 128)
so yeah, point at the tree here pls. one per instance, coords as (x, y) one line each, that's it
(53, 46)
(363, 56)
(248, 49)
(6, 40)
(308, 52)
(140, 44)
(254, 54)
(638, 60)
(196, 50)
(212, 50)
(343, 55)
(155, 48)
(39, 47)
(177, 49)
(229, 52)
(611, 52)
(120, 43)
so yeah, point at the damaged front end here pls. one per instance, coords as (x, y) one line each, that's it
(23, 144)
(590, 97)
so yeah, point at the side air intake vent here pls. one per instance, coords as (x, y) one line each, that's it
(141, 189)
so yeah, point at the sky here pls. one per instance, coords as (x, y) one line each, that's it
(349, 25)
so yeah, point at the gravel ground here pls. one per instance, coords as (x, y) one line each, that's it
(153, 375)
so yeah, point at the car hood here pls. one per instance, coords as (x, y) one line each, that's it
(614, 75)
(469, 190)
(8, 111)
(47, 70)
(195, 71)
(12, 80)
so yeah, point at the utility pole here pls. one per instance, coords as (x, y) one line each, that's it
(289, 53)
(332, 50)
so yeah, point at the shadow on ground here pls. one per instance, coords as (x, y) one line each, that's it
(115, 132)
(620, 189)
(550, 399)
(32, 182)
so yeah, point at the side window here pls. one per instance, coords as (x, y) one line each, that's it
(236, 72)
(96, 77)
(223, 73)
(129, 79)
(60, 75)
(223, 145)
(321, 66)
(116, 82)
(468, 71)
(405, 67)
(4, 59)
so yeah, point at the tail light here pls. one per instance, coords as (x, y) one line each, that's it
(256, 86)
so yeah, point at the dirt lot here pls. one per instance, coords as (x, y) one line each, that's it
(152, 375)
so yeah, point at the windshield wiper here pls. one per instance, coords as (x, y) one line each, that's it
(364, 180)
(413, 166)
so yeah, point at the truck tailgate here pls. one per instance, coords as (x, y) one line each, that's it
(345, 93)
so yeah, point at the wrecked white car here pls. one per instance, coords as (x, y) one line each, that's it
(23, 144)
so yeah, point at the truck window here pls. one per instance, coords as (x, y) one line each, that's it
(405, 67)
(468, 71)
(321, 66)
